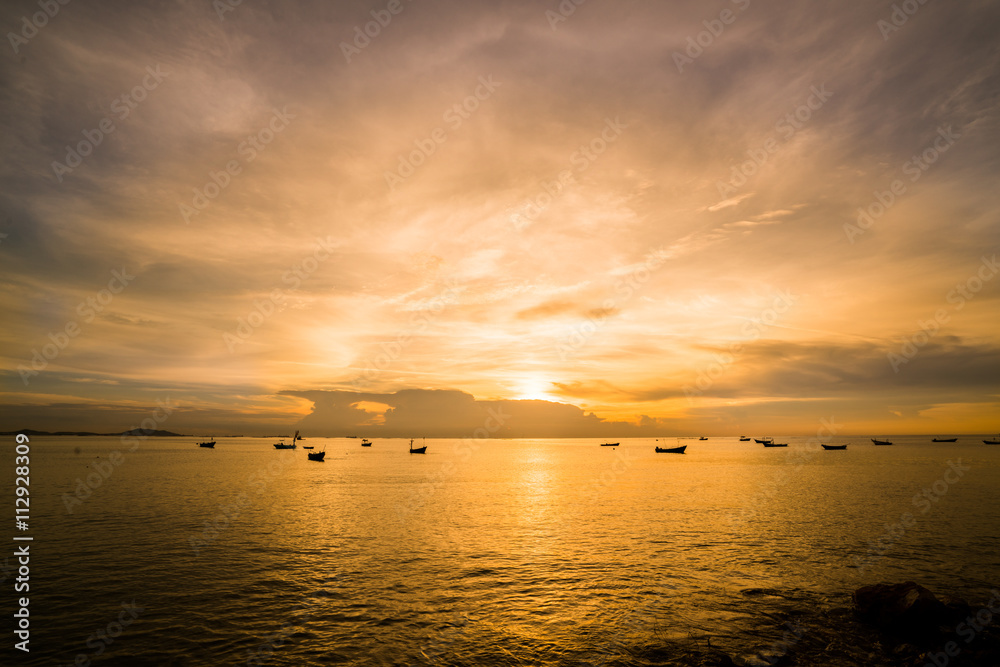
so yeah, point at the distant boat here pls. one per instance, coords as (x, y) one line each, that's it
(743, 438)
(307, 446)
(944, 440)
(881, 442)
(775, 444)
(316, 456)
(609, 444)
(765, 441)
(992, 442)
(207, 444)
(282, 445)
(671, 450)
(834, 446)
(366, 443)
(418, 450)
(703, 438)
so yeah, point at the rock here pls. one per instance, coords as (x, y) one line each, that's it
(907, 608)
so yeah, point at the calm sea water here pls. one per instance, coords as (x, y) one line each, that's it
(504, 552)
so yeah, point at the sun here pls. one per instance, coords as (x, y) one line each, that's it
(533, 388)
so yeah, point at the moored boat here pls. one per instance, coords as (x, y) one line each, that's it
(316, 456)
(210, 444)
(881, 442)
(828, 447)
(703, 438)
(992, 442)
(282, 445)
(944, 439)
(765, 441)
(743, 438)
(609, 444)
(366, 443)
(775, 444)
(418, 450)
(671, 450)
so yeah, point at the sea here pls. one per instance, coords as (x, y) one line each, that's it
(154, 551)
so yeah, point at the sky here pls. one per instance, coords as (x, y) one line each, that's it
(540, 219)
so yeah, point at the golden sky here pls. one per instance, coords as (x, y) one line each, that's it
(644, 218)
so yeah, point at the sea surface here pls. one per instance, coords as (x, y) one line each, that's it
(489, 552)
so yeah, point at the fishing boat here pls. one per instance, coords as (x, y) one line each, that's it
(775, 444)
(418, 450)
(282, 445)
(307, 446)
(609, 444)
(316, 456)
(743, 438)
(207, 444)
(829, 447)
(671, 450)
(944, 440)
(881, 442)
(703, 438)
(992, 442)
(366, 443)
(765, 441)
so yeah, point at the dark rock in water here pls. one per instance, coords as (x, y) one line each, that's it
(907, 608)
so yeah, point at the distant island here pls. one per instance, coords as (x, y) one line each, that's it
(135, 431)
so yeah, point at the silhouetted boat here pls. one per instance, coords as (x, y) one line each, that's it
(881, 442)
(307, 446)
(316, 456)
(834, 446)
(671, 450)
(282, 445)
(207, 444)
(703, 438)
(765, 441)
(609, 444)
(944, 439)
(775, 444)
(418, 450)
(743, 438)
(366, 443)
(992, 442)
